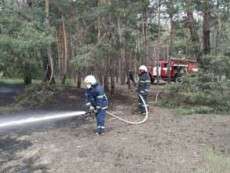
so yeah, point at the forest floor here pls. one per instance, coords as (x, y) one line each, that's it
(166, 143)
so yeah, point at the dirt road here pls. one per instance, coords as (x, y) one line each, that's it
(166, 143)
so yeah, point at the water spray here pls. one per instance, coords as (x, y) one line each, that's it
(50, 116)
(53, 116)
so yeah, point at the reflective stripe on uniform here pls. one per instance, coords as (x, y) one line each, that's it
(106, 97)
(145, 81)
(104, 108)
(88, 104)
(101, 96)
(101, 127)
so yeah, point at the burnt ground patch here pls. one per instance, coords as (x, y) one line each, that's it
(165, 143)
(10, 146)
(8, 93)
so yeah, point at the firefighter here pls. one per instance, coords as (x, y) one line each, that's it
(96, 101)
(131, 78)
(143, 87)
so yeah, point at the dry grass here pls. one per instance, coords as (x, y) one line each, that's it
(215, 163)
(10, 109)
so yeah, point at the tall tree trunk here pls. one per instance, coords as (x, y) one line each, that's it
(106, 82)
(112, 76)
(65, 51)
(158, 41)
(79, 79)
(190, 24)
(102, 77)
(120, 66)
(27, 74)
(145, 28)
(113, 86)
(49, 51)
(59, 39)
(206, 28)
(172, 30)
(218, 29)
(123, 66)
(106, 73)
(170, 49)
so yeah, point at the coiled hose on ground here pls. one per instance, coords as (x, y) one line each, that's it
(133, 122)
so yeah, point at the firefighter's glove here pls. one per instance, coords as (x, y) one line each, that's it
(142, 92)
(87, 106)
(91, 108)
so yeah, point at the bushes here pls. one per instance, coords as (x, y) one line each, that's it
(38, 95)
(206, 91)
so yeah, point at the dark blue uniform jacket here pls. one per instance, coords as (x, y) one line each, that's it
(143, 84)
(95, 96)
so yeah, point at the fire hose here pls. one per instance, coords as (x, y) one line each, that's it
(133, 122)
(52, 116)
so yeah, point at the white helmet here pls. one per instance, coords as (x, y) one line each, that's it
(90, 80)
(143, 68)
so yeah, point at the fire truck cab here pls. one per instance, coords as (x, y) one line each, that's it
(173, 69)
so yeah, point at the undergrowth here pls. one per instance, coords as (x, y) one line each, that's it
(38, 95)
(200, 93)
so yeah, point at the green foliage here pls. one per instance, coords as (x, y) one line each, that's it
(194, 110)
(83, 58)
(109, 28)
(206, 91)
(217, 65)
(10, 81)
(22, 38)
(100, 32)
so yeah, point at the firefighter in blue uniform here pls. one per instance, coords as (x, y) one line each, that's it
(143, 87)
(96, 101)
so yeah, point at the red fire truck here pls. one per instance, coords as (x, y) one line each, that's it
(177, 68)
